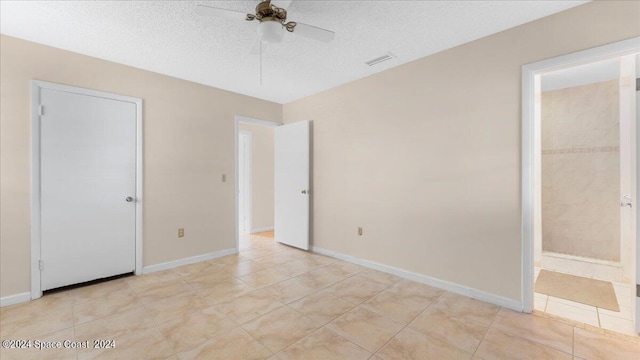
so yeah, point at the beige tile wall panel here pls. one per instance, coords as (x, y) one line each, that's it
(581, 171)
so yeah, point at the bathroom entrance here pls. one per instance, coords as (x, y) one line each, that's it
(583, 256)
(580, 212)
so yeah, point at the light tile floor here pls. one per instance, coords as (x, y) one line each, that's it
(275, 302)
(620, 322)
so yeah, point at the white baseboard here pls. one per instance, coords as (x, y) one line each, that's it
(262, 229)
(187, 261)
(15, 299)
(24, 297)
(441, 284)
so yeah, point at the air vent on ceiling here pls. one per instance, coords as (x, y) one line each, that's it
(379, 59)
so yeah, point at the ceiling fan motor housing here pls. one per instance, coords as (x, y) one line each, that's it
(272, 18)
(267, 12)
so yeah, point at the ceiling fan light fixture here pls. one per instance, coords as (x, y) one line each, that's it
(270, 31)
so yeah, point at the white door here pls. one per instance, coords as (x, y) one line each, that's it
(629, 179)
(88, 185)
(636, 290)
(291, 156)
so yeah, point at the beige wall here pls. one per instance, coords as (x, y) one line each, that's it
(262, 152)
(188, 145)
(426, 156)
(581, 171)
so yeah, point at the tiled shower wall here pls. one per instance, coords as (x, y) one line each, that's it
(581, 171)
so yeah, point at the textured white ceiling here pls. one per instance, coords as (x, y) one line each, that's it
(169, 38)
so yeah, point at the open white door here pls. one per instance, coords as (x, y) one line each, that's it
(627, 126)
(291, 155)
(636, 288)
(629, 112)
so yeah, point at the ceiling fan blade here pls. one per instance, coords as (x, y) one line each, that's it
(255, 49)
(313, 32)
(213, 11)
(282, 4)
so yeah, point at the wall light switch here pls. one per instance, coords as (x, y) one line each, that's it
(359, 231)
(181, 232)
(224, 177)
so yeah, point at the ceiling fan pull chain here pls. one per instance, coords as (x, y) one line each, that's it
(260, 61)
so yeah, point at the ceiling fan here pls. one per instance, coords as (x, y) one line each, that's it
(272, 17)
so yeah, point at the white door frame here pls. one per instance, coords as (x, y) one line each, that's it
(36, 240)
(247, 120)
(248, 179)
(531, 147)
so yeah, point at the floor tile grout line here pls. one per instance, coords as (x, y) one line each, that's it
(391, 338)
(486, 332)
(156, 327)
(299, 340)
(262, 287)
(209, 338)
(346, 339)
(308, 317)
(73, 321)
(273, 353)
(532, 340)
(356, 306)
(256, 339)
(449, 313)
(546, 303)
(386, 315)
(573, 341)
(284, 305)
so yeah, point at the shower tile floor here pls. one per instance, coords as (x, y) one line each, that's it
(620, 322)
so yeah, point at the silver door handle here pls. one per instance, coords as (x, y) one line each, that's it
(623, 204)
(129, 199)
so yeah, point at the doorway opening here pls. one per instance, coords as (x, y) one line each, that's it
(582, 265)
(245, 181)
(255, 181)
(282, 215)
(579, 187)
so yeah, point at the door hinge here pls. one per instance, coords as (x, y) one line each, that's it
(41, 265)
(41, 110)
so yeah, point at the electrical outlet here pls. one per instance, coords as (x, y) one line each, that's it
(359, 231)
(181, 232)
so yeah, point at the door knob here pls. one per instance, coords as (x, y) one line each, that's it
(304, 191)
(129, 199)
